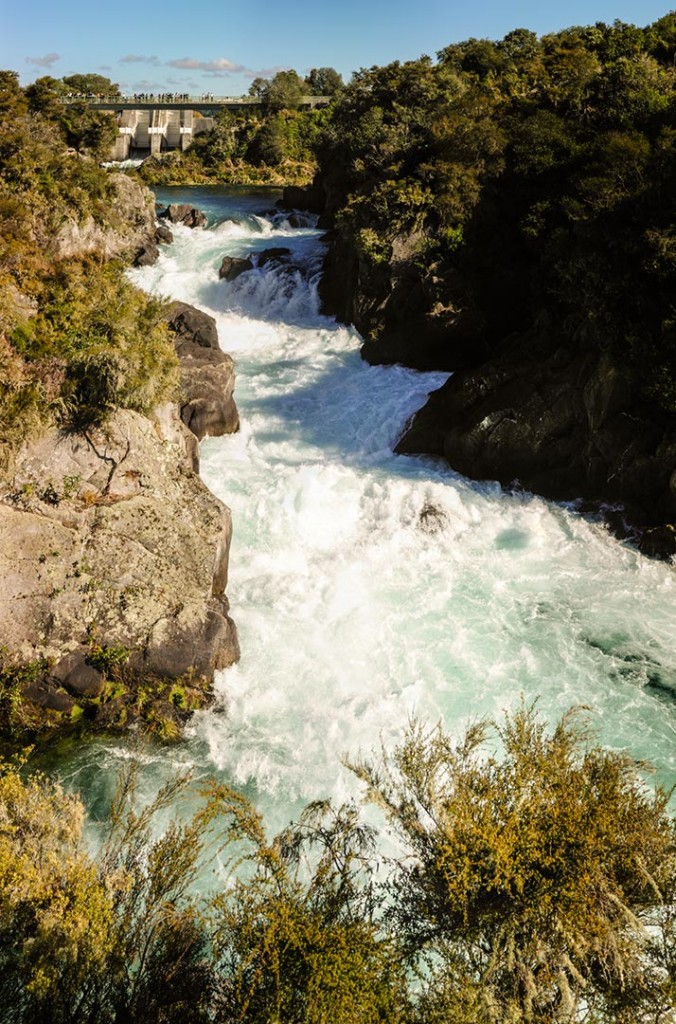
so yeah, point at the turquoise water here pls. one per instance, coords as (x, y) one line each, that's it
(369, 587)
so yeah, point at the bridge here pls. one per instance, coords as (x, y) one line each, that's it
(152, 124)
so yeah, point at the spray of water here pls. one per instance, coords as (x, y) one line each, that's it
(369, 587)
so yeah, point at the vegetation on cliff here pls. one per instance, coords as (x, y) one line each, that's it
(535, 886)
(511, 187)
(76, 339)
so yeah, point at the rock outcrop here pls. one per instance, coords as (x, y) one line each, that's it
(570, 425)
(207, 405)
(110, 541)
(130, 226)
(183, 213)
(405, 316)
(233, 266)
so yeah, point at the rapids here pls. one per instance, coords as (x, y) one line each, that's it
(369, 587)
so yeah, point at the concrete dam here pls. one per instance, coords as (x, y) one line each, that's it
(150, 127)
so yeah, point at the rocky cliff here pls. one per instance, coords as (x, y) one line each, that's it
(532, 410)
(113, 553)
(129, 227)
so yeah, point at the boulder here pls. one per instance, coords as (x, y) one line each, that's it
(76, 675)
(163, 234)
(232, 267)
(147, 255)
(113, 536)
(274, 254)
(566, 425)
(207, 405)
(183, 213)
(193, 326)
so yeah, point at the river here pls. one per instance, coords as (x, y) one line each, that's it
(368, 587)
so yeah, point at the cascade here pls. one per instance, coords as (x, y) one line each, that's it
(369, 587)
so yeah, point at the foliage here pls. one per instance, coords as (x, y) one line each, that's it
(296, 940)
(552, 158)
(324, 82)
(534, 886)
(91, 85)
(537, 878)
(76, 339)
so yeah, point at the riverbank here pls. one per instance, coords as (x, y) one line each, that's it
(176, 169)
(114, 553)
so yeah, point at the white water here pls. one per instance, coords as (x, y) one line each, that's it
(368, 587)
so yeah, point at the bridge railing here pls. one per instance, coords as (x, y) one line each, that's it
(182, 99)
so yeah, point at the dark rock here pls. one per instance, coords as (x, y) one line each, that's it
(207, 405)
(271, 255)
(163, 234)
(78, 677)
(659, 542)
(192, 325)
(232, 267)
(568, 425)
(309, 197)
(432, 519)
(46, 696)
(183, 213)
(148, 255)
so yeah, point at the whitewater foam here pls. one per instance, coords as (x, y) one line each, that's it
(369, 587)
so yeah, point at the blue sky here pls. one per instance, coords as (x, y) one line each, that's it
(218, 47)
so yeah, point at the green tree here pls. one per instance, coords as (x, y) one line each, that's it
(89, 131)
(259, 87)
(324, 82)
(285, 91)
(12, 96)
(45, 96)
(296, 938)
(533, 883)
(92, 85)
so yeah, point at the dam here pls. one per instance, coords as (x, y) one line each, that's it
(150, 126)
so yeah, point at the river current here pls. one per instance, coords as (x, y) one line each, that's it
(368, 587)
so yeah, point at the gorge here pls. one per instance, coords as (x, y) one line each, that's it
(367, 586)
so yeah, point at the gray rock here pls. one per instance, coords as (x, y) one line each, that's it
(232, 267)
(49, 697)
(163, 234)
(133, 550)
(183, 213)
(148, 255)
(192, 325)
(76, 676)
(132, 212)
(207, 374)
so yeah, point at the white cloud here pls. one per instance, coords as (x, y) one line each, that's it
(133, 58)
(265, 72)
(219, 67)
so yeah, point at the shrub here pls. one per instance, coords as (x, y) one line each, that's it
(533, 883)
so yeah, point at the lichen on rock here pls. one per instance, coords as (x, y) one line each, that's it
(109, 538)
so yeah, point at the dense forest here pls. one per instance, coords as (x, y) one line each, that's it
(530, 181)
